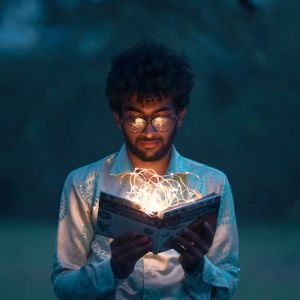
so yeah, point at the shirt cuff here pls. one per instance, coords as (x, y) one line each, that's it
(195, 283)
(117, 281)
(210, 276)
(213, 275)
(106, 276)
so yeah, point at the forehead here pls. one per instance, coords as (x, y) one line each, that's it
(148, 107)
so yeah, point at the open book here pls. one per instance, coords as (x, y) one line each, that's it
(117, 216)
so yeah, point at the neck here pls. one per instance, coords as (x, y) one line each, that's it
(159, 166)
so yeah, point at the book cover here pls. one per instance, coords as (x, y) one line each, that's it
(117, 216)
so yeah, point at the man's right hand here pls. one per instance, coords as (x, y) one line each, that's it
(126, 250)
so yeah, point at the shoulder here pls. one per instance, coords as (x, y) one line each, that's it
(207, 178)
(90, 172)
(203, 170)
(210, 178)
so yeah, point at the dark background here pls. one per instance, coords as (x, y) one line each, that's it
(243, 119)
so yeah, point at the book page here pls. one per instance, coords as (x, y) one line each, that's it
(193, 216)
(115, 219)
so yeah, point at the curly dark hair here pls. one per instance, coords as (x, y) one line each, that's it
(150, 71)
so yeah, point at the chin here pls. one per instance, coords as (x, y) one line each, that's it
(149, 156)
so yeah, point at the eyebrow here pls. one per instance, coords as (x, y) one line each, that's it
(131, 108)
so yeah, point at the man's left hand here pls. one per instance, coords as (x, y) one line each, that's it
(191, 245)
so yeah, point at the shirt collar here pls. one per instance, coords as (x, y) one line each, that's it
(122, 162)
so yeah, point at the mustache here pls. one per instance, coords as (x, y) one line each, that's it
(144, 139)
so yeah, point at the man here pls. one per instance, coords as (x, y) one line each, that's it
(148, 89)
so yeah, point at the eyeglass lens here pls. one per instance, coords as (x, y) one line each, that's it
(159, 124)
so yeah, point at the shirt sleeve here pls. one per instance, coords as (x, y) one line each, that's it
(221, 265)
(74, 276)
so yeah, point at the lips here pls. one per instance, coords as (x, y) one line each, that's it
(149, 144)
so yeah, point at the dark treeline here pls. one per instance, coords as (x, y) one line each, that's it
(243, 116)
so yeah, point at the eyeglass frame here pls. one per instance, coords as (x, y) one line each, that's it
(150, 120)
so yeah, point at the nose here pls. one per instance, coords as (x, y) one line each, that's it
(149, 130)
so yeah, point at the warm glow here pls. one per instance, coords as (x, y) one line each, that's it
(155, 193)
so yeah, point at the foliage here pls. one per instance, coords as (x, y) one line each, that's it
(243, 117)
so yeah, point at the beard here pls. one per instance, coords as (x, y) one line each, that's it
(149, 155)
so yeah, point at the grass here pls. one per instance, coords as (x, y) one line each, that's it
(270, 262)
(26, 261)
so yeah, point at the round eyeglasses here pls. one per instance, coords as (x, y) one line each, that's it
(138, 124)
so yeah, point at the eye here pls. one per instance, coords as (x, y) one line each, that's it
(161, 122)
(137, 122)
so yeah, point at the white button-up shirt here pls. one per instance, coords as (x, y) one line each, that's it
(82, 267)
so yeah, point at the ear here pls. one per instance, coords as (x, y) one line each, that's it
(117, 118)
(181, 115)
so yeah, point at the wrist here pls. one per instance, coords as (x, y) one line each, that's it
(196, 270)
(116, 272)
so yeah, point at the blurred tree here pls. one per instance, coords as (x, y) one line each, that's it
(245, 105)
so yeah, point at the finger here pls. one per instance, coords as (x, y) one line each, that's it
(208, 233)
(191, 235)
(196, 225)
(137, 252)
(195, 240)
(126, 247)
(188, 246)
(182, 251)
(185, 259)
(185, 248)
(124, 238)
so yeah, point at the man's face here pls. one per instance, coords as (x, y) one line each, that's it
(149, 144)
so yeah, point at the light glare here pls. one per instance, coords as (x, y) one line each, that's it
(155, 193)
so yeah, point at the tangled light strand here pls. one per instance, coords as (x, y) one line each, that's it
(155, 193)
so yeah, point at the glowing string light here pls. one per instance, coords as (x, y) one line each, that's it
(155, 193)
